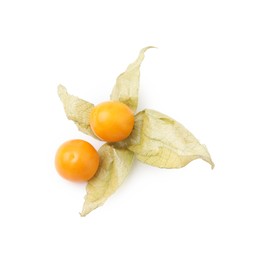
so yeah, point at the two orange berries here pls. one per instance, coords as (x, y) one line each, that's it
(77, 160)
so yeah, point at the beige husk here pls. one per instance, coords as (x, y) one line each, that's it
(115, 165)
(127, 84)
(77, 110)
(161, 141)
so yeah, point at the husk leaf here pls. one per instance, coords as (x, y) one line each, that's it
(127, 84)
(160, 141)
(115, 165)
(77, 110)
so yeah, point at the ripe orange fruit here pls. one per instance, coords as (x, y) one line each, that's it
(77, 160)
(112, 121)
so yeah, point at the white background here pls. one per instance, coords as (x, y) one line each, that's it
(204, 74)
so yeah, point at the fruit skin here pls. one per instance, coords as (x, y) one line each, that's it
(77, 160)
(112, 121)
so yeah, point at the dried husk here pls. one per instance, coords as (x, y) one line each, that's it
(160, 141)
(115, 165)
